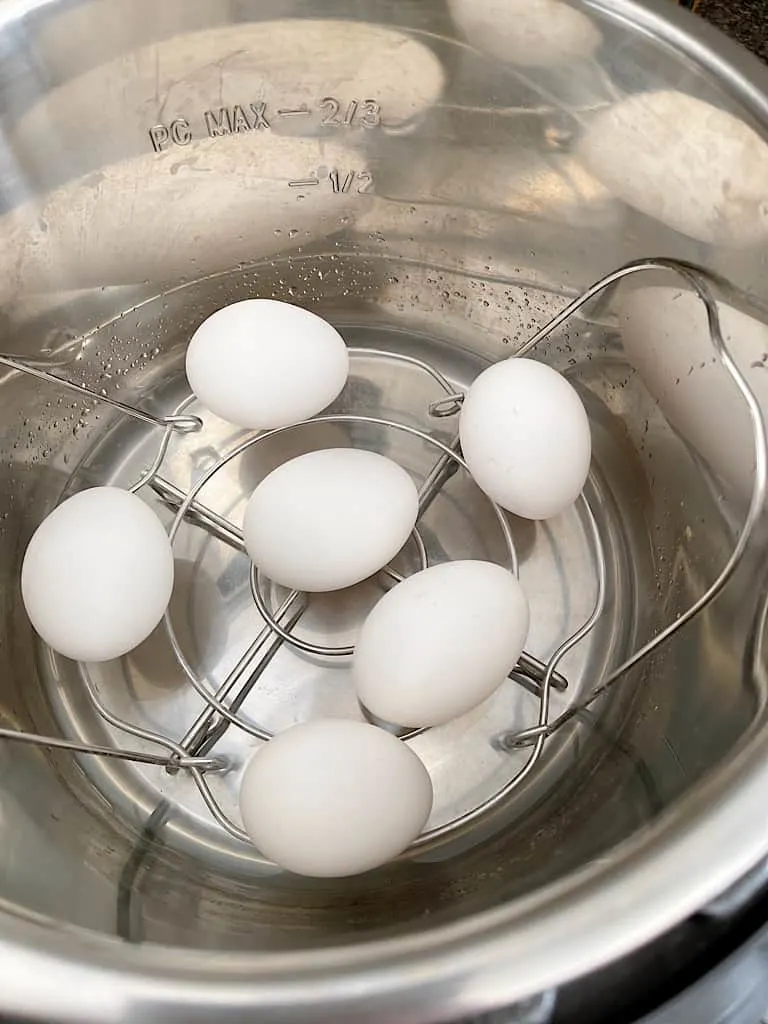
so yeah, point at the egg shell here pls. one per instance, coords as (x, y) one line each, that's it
(329, 519)
(260, 363)
(332, 797)
(525, 437)
(698, 169)
(665, 335)
(531, 33)
(439, 643)
(97, 574)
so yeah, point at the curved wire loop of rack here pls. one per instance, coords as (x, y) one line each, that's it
(175, 422)
(190, 753)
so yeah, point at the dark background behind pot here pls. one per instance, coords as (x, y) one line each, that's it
(744, 20)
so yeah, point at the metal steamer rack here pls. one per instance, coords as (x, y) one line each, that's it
(195, 753)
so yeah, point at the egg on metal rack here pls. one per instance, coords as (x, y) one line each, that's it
(525, 437)
(97, 574)
(332, 797)
(329, 519)
(439, 643)
(261, 364)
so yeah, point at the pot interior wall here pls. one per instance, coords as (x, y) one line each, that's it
(149, 177)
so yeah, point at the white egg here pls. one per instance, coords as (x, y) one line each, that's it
(262, 364)
(439, 643)
(707, 181)
(97, 575)
(331, 798)
(531, 33)
(666, 338)
(329, 519)
(525, 437)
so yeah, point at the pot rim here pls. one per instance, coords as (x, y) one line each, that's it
(582, 922)
(567, 929)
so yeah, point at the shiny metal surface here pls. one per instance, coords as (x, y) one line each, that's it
(734, 993)
(292, 686)
(415, 177)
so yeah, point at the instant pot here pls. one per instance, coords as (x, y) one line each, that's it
(438, 178)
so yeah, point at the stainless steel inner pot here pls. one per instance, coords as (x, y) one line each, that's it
(420, 174)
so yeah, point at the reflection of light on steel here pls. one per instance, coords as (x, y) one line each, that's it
(353, 79)
(85, 34)
(665, 337)
(552, 188)
(229, 198)
(706, 181)
(557, 191)
(529, 33)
